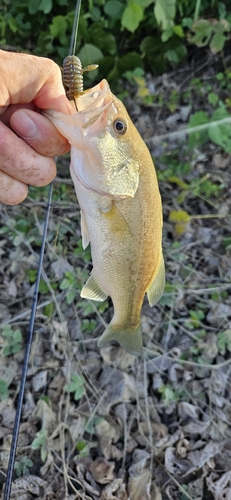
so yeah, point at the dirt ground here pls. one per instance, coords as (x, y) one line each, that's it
(102, 424)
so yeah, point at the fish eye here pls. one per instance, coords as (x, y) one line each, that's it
(120, 126)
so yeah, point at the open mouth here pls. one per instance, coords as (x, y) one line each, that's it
(93, 103)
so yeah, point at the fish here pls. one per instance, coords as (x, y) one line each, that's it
(121, 211)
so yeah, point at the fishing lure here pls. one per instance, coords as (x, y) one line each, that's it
(72, 75)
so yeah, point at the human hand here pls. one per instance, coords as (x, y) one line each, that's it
(28, 140)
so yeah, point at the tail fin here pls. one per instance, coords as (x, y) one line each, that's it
(129, 338)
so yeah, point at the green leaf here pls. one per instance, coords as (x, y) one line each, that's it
(167, 34)
(113, 9)
(92, 422)
(17, 335)
(131, 61)
(40, 443)
(217, 43)
(76, 385)
(49, 309)
(4, 393)
(58, 26)
(187, 22)
(144, 3)
(105, 41)
(70, 296)
(43, 287)
(16, 348)
(22, 225)
(90, 54)
(203, 32)
(165, 11)
(45, 6)
(198, 138)
(221, 134)
(213, 98)
(131, 17)
(6, 350)
(171, 56)
(33, 6)
(178, 30)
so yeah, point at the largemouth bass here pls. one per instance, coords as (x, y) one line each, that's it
(121, 211)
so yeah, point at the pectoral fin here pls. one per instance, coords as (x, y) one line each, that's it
(117, 223)
(84, 231)
(156, 288)
(92, 290)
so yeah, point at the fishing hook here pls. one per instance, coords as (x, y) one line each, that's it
(13, 448)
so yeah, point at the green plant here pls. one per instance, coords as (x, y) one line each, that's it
(120, 36)
(216, 128)
(12, 340)
(4, 392)
(40, 442)
(22, 466)
(195, 318)
(76, 385)
(170, 395)
(83, 448)
(224, 341)
(71, 283)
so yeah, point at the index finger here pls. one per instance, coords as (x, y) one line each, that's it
(26, 78)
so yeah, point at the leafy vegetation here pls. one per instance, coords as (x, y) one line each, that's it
(22, 467)
(12, 340)
(147, 34)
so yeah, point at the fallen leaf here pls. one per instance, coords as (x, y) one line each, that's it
(118, 487)
(102, 470)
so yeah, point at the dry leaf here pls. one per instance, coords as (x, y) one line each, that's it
(174, 465)
(102, 470)
(210, 450)
(60, 267)
(139, 487)
(55, 387)
(7, 412)
(186, 410)
(39, 380)
(118, 357)
(140, 458)
(197, 427)
(114, 491)
(109, 430)
(47, 416)
(221, 488)
(30, 483)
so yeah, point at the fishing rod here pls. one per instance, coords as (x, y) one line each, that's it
(13, 448)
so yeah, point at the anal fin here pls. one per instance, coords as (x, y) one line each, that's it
(92, 290)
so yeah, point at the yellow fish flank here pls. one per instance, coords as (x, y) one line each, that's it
(121, 212)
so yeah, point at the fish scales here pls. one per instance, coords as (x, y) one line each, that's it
(121, 211)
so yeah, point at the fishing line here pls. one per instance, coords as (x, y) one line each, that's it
(191, 130)
(13, 448)
(75, 27)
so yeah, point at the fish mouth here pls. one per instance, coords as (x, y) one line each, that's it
(92, 106)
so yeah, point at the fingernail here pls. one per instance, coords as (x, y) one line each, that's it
(23, 124)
